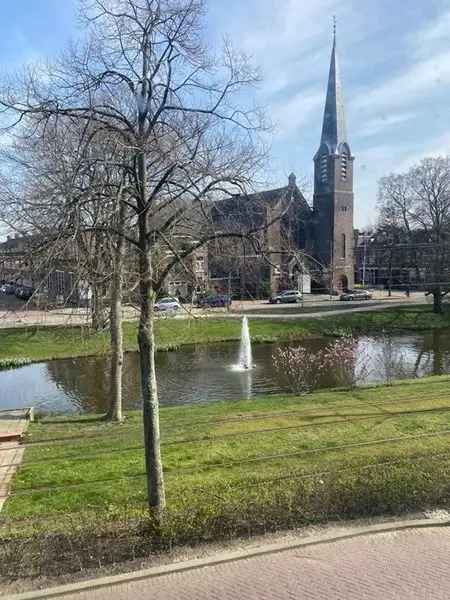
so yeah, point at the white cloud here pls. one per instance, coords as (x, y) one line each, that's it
(290, 115)
(421, 80)
(432, 37)
(437, 146)
(380, 124)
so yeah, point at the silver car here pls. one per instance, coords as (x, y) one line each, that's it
(167, 304)
(355, 295)
(287, 297)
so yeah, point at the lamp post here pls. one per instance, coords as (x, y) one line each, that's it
(366, 237)
(364, 262)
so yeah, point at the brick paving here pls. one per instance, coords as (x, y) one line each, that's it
(12, 422)
(404, 565)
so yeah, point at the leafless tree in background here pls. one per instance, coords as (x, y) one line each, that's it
(417, 203)
(63, 189)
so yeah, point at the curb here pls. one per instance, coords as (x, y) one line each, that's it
(226, 557)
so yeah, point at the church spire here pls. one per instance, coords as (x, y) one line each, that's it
(333, 128)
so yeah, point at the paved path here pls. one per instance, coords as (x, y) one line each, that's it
(412, 564)
(12, 423)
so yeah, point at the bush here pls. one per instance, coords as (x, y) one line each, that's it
(301, 370)
(13, 363)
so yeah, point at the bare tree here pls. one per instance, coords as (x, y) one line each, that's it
(145, 77)
(418, 203)
(63, 189)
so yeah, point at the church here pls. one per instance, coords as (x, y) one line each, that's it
(300, 239)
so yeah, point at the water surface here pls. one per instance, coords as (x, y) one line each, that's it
(200, 374)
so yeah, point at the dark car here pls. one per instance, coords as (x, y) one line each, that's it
(8, 288)
(214, 301)
(24, 292)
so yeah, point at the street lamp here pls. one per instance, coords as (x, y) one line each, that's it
(366, 237)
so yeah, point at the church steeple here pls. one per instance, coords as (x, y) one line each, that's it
(333, 187)
(333, 127)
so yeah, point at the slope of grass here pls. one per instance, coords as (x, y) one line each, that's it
(230, 468)
(62, 342)
(215, 440)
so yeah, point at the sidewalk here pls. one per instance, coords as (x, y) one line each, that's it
(395, 562)
(12, 425)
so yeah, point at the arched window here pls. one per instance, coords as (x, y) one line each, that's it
(344, 162)
(343, 247)
(324, 168)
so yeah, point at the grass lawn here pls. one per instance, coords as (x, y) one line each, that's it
(62, 342)
(231, 468)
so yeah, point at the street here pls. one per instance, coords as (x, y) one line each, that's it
(16, 314)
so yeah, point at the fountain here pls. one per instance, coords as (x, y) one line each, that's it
(245, 350)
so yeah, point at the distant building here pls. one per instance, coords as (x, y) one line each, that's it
(16, 262)
(300, 239)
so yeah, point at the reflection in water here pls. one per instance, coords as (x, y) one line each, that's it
(204, 374)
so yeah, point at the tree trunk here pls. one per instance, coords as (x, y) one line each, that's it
(146, 342)
(115, 410)
(390, 276)
(437, 300)
(97, 308)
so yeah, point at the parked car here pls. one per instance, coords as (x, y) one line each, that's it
(287, 297)
(355, 295)
(168, 303)
(214, 301)
(24, 292)
(8, 288)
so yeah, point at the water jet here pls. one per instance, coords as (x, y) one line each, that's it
(245, 362)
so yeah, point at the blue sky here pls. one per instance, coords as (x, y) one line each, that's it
(395, 66)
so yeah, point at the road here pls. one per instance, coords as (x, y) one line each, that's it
(18, 316)
(410, 564)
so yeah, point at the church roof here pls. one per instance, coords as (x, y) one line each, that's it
(333, 127)
(288, 192)
(251, 204)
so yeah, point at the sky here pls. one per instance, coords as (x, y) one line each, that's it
(395, 69)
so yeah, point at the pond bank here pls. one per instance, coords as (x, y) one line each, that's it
(38, 344)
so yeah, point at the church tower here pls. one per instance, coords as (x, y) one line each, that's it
(333, 188)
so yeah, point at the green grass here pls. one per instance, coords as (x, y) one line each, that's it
(62, 342)
(231, 468)
(226, 434)
(217, 448)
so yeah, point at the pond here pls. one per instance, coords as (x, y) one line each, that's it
(199, 374)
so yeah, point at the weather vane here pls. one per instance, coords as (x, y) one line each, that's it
(334, 25)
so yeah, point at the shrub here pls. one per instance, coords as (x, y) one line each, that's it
(13, 363)
(298, 368)
(301, 370)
